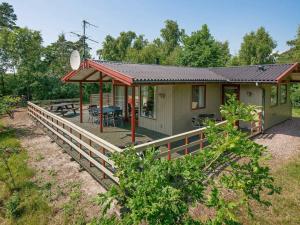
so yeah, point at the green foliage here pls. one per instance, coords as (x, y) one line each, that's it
(200, 49)
(8, 104)
(7, 16)
(171, 35)
(293, 54)
(13, 209)
(257, 48)
(21, 200)
(72, 213)
(223, 177)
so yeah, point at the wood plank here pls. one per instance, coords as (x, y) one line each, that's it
(108, 146)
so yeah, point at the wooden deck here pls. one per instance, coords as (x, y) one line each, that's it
(119, 136)
(93, 150)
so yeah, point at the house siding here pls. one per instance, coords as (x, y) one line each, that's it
(276, 114)
(164, 111)
(250, 94)
(183, 112)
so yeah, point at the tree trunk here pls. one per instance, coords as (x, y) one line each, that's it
(2, 85)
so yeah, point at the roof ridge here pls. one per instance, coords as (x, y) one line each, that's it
(180, 66)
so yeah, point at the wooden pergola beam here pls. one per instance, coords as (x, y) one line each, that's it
(89, 75)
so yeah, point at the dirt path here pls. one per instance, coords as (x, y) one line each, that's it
(55, 168)
(282, 141)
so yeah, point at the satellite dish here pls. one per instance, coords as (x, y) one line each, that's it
(75, 60)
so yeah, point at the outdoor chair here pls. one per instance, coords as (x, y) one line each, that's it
(195, 122)
(111, 119)
(92, 109)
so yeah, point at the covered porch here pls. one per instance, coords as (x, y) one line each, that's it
(125, 133)
(119, 135)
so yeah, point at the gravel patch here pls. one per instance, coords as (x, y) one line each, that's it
(282, 141)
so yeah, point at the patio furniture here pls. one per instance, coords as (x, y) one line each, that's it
(195, 122)
(199, 121)
(111, 115)
(93, 114)
(64, 108)
(136, 111)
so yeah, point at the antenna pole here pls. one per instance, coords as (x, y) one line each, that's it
(84, 37)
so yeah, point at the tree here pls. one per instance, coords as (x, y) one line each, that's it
(257, 48)
(115, 49)
(7, 23)
(226, 175)
(7, 16)
(56, 56)
(24, 49)
(200, 49)
(171, 36)
(293, 54)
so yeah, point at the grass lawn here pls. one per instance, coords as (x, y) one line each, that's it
(296, 112)
(22, 201)
(285, 207)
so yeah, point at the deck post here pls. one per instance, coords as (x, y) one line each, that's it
(101, 103)
(126, 102)
(133, 115)
(113, 94)
(80, 97)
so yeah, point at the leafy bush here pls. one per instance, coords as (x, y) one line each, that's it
(13, 208)
(224, 176)
(8, 104)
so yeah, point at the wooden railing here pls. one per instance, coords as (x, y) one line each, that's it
(190, 142)
(88, 147)
(178, 145)
(96, 152)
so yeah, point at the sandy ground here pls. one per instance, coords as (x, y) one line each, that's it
(53, 166)
(282, 141)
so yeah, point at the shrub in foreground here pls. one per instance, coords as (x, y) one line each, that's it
(226, 175)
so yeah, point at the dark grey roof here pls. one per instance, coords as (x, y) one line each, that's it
(143, 73)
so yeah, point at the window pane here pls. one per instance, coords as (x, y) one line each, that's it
(148, 102)
(283, 93)
(274, 95)
(198, 97)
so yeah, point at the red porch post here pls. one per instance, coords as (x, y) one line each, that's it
(80, 100)
(126, 102)
(101, 103)
(133, 115)
(113, 93)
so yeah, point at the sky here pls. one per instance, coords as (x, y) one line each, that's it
(228, 20)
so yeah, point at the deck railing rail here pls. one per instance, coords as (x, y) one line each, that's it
(88, 146)
(191, 142)
(97, 152)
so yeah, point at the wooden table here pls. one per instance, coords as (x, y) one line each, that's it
(63, 108)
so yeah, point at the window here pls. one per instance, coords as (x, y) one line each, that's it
(274, 95)
(283, 93)
(148, 101)
(198, 96)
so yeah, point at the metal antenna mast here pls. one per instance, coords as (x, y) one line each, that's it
(84, 36)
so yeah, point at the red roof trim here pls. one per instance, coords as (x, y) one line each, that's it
(287, 72)
(111, 73)
(126, 79)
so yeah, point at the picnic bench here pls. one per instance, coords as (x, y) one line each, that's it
(64, 108)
